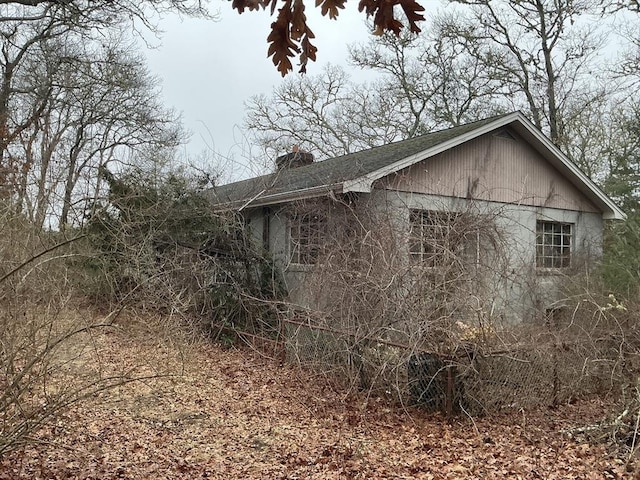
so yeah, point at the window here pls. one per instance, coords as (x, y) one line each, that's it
(553, 244)
(439, 239)
(308, 233)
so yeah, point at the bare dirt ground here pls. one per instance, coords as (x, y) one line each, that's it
(232, 414)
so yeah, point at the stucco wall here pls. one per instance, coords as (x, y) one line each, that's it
(277, 245)
(520, 290)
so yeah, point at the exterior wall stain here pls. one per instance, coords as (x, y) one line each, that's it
(492, 168)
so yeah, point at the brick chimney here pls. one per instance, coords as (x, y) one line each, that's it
(297, 158)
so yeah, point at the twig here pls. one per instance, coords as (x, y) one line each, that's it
(35, 257)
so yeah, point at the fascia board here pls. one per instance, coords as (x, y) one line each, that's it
(365, 182)
(285, 197)
(619, 215)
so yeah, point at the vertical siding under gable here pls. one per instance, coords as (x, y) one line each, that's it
(492, 168)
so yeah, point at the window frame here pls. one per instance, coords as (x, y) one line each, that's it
(307, 237)
(434, 241)
(554, 245)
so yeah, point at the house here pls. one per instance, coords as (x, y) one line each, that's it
(490, 209)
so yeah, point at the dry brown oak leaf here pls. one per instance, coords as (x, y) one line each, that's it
(290, 35)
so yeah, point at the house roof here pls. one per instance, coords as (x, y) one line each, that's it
(356, 172)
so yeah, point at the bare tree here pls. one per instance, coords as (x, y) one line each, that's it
(438, 84)
(25, 28)
(423, 85)
(97, 103)
(326, 114)
(544, 52)
(627, 66)
(19, 40)
(115, 108)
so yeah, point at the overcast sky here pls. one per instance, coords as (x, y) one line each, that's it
(209, 69)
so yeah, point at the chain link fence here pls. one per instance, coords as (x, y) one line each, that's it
(542, 366)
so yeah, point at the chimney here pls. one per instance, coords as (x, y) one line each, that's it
(297, 158)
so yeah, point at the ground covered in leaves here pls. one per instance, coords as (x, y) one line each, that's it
(231, 413)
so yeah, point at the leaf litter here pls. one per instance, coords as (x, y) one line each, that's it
(220, 413)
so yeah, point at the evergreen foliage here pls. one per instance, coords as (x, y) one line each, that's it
(159, 244)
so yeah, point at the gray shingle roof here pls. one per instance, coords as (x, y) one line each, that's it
(336, 170)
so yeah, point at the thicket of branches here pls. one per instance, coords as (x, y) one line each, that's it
(48, 357)
(381, 306)
(157, 243)
(153, 247)
(75, 99)
(446, 330)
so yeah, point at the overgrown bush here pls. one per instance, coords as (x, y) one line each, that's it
(380, 299)
(158, 244)
(391, 324)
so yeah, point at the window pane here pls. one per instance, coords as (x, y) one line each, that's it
(440, 239)
(553, 244)
(307, 237)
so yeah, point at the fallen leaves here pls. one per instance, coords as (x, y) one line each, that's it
(235, 415)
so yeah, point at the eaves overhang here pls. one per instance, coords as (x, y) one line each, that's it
(265, 198)
(524, 127)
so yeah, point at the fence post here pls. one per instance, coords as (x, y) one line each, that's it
(553, 326)
(282, 340)
(449, 393)
(556, 378)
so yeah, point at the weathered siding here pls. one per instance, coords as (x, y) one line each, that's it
(269, 227)
(492, 168)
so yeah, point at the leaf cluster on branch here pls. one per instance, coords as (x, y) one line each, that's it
(291, 36)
